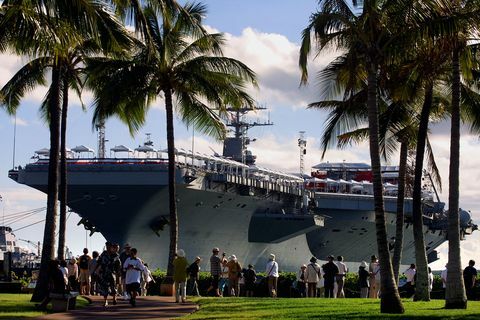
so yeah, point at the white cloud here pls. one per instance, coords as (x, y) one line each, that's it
(20, 121)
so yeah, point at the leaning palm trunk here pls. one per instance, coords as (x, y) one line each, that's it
(63, 174)
(390, 299)
(455, 290)
(171, 182)
(421, 283)
(41, 289)
(397, 251)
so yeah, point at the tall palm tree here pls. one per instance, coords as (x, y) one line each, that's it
(45, 30)
(336, 24)
(187, 67)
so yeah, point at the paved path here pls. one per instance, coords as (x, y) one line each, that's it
(151, 307)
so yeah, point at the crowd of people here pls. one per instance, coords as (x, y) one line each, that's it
(107, 274)
(124, 274)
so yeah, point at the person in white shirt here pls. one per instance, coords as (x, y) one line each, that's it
(410, 274)
(340, 278)
(312, 277)
(373, 270)
(443, 275)
(133, 267)
(272, 275)
(430, 280)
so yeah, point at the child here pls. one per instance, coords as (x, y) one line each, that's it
(133, 268)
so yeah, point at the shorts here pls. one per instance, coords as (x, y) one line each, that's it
(135, 286)
(84, 276)
(215, 281)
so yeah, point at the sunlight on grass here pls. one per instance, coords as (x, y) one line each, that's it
(18, 306)
(265, 308)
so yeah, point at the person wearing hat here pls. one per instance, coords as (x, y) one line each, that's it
(215, 271)
(301, 281)
(374, 269)
(234, 275)
(193, 271)
(123, 257)
(363, 277)
(272, 275)
(330, 270)
(312, 276)
(180, 265)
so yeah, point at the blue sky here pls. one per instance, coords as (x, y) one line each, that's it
(265, 35)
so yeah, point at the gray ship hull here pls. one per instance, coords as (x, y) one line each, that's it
(130, 204)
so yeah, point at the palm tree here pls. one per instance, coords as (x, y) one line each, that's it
(187, 67)
(52, 28)
(337, 25)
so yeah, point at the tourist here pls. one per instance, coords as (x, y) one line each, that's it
(123, 257)
(84, 276)
(301, 281)
(469, 277)
(250, 276)
(93, 276)
(64, 269)
(340, 278)
(430, 280)
(133, 268)
(72, 274)
(108, 266)
(146, 279)
(363, 277)
(312, 276)
(215, 271)
(180, 265)
(223, 282)
(272, 275)
(372, 269)
(193, 271)
(234, 274)
(443, 276)
(410, 274)
(331, 270)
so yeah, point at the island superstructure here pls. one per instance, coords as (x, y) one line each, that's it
(230, 202)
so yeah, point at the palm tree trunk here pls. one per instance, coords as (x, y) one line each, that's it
(397, 251)
(63, 174)
(171, 182)
(455, 289)
(421, 283)
(41, 289)
(390, 299)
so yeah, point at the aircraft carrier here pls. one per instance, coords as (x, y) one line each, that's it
(230, 202)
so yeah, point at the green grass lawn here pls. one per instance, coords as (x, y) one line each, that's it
(265, 308)
(18, 306)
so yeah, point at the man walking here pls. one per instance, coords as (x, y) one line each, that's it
(215, 271)
(84, 274)
(133, 268)
(124, 255)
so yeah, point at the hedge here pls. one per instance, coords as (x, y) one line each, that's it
(285, 281)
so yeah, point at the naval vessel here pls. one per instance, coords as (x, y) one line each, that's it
(229, 201)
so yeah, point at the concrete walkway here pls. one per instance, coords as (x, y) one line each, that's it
(151, 307)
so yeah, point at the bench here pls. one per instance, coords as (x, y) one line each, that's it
(63, 301)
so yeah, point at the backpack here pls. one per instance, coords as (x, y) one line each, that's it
(83, 262)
